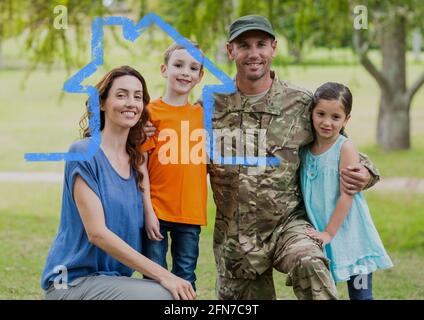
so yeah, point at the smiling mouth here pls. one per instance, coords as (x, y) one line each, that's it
(183, 81)
(128, 114)
(254, 64)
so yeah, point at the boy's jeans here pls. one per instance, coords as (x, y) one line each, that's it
(360, 287)
(184, 248)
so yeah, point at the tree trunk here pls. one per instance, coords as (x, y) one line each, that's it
(296, 53)
(393, 121)
(393, 118)
(416, 44)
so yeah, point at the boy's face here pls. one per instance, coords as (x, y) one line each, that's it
(183, 72)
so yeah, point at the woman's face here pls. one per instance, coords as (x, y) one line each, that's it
(124, 103)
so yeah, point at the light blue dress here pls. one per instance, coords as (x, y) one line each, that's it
(356, 248)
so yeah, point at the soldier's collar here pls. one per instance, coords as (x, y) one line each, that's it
(266, 104)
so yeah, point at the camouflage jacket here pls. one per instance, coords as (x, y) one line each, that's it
(252, 204)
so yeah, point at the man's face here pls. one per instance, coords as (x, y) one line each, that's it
(252, 52)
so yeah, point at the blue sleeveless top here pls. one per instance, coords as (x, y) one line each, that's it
(356, 248)
(71, 255)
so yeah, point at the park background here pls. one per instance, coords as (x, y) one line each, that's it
(316, 44)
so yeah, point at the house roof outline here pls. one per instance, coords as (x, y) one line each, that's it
(131, 32)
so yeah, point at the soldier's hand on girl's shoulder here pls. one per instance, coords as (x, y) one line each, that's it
(354, 179)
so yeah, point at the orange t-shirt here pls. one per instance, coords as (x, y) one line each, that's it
(177, 163)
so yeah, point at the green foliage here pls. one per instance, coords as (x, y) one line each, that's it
(201, 20)
(398, 163)
(12, 21)
(48, 45)
(303, 23)
(44, 44)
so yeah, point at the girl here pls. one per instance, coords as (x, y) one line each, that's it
(99, 239)
(343, 223)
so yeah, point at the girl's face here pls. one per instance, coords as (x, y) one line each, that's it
(328, 118)
(124, 104)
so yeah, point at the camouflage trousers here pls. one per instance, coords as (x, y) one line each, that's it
(297, 255)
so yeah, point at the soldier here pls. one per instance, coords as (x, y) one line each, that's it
(260, 220)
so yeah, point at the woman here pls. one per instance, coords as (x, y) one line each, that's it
(99, 239)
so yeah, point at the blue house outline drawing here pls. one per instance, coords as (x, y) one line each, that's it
(131, 32)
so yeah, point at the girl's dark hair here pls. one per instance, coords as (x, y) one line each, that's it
(136, 135)
(334, 91)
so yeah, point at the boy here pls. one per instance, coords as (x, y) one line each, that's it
(177, 173)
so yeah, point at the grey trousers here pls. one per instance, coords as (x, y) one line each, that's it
(103, 287)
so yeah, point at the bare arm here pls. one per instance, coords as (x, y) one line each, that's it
(348, 157)
(91, 211)
(152, 223)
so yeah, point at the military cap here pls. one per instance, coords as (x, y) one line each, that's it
(251, 22)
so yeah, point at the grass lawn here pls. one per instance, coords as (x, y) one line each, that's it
(29, 219)
(407, 163)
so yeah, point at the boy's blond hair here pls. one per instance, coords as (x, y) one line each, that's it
(175, 46)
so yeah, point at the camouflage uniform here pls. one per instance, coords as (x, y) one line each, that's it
(260, 220)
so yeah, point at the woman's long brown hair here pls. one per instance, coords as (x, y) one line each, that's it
(136, 136)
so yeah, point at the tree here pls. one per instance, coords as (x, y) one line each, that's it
(202, 20)
(47, 44)
(11, 22)
(391, 22)
(301, 24)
